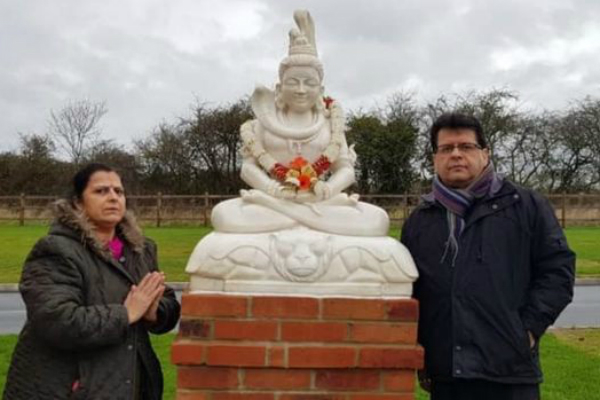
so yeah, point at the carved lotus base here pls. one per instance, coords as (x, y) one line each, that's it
(302, 261)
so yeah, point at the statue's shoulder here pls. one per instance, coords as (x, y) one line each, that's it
(248, 130)
(251, 134)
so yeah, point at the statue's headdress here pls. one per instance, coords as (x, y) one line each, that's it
(302, 39)
(303, 46)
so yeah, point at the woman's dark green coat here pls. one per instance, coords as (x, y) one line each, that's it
(77, 342)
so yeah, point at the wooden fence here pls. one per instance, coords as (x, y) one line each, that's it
(160, 209)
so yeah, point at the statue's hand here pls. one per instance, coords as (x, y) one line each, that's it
(322, 190)
(305, 197)
(279, 191)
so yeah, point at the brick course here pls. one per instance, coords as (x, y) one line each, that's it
(296, 348)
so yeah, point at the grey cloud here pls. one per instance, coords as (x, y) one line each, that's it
(150, 60)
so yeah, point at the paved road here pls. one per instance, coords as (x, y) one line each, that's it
(12, 312)
(582, 313)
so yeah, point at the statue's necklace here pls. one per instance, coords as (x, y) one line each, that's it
(328, 157)
(294, 145)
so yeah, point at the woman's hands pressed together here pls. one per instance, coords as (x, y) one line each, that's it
(143, 299)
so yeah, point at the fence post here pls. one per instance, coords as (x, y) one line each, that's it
(205, 209)
(563, 211)
(22, 210)
(158, 209)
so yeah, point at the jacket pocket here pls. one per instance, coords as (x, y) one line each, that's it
(529, 353)
(522, 337)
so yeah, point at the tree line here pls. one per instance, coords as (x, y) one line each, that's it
(553, 151)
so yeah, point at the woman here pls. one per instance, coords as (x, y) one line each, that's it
(93, 292)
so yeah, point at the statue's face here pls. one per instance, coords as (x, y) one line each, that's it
(300, 88)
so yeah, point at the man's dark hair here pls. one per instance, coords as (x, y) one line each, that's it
(82, 178)
(456, 120)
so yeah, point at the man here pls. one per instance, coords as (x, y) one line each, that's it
(494, 272)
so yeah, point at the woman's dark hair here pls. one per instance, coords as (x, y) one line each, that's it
(82, 178)
(456, 120)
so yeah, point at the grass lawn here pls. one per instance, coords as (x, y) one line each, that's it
(585, 241)
(174, 247)
(7, 343)
(570, 359)
(176, 243)
(16, 242)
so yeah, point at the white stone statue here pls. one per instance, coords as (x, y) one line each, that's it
(295, 231)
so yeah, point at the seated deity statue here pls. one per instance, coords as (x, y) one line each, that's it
(296, 159)
(297, 164)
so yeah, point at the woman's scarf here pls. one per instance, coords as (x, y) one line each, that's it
(116, 247)
(458, 202)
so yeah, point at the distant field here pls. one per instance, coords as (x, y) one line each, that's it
(174, 248)
(176, 243)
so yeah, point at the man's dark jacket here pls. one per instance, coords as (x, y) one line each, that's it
(514, 273)
(77, 342)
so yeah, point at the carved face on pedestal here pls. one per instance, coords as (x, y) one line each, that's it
(300, 88)
(300, 258)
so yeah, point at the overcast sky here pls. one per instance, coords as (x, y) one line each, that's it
(149, 60)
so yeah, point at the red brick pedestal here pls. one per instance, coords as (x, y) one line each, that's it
(296, 348)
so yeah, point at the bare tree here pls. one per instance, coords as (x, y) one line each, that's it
(575, 154)
(35, 147)
(385, 141)
(528, 150)
(33, 163)
(200, 153)
(166, 161)
(214, 139)
(589, 123)
(75, 127)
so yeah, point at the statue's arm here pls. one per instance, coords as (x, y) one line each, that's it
(256, 162)
(257, 178)
(342, 171)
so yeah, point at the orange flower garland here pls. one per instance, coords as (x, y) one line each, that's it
(300, 173)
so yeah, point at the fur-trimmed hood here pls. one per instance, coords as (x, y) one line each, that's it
(70, 217)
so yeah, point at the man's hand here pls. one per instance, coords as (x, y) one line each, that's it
(531, 339)
(142, 296)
